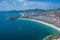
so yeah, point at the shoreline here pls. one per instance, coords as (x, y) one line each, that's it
(52, 26)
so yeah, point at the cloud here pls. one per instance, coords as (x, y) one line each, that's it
(0, 4)
(20, 0)
(43, 5)
(22, 4)
(54, 5)
(40, 4)
(5, 2)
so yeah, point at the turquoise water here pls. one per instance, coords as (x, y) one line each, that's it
(19, 29)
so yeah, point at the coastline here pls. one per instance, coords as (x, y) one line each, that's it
(42, 23)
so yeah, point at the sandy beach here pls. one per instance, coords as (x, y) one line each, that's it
(50, 25)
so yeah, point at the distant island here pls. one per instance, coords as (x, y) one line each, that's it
(49, 16)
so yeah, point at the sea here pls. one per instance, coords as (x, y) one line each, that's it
(19, 29)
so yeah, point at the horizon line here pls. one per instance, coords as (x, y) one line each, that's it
(30, 9)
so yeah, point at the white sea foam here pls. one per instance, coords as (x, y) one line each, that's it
(21, 14)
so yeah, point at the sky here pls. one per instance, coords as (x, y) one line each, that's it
(28, 4)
